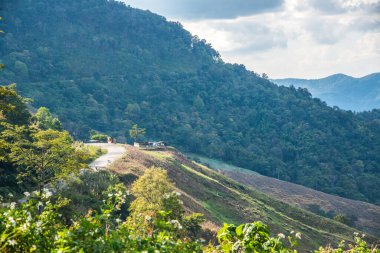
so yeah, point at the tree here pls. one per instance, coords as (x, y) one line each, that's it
(42, 156)
(154, 192)
(135, 131)
(44, 120)
(13, 107)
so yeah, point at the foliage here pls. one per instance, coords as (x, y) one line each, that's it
(135, 132)
(42, 156)
(192, 224)
(13, 108)
(153, 72)
(88, 153)
(359, 246)
(44, 120)
(154, 193)
(23, 229)
(253, 237)
(99, 137)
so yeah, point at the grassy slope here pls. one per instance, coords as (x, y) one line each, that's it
(224, 200)
(368, 215)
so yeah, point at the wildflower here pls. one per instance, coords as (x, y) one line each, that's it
(12, 221)
(24, 227)
(10, 195)
(176, 224)
(12, 242)
(118, 220)
(27, 194)
(148, 218)
(298, 235)
(281, 235)
(13, 205)
(292, 232)
(47, 193)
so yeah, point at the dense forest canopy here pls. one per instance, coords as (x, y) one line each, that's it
(105, 66)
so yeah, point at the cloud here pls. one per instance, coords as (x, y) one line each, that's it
(207, 9)
(333, 7)
(243, 35)
(301, 40)
(284, 38)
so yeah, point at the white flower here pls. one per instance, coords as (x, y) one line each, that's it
(281, 235)
(363, 235)
(12, 221)
(10, 195)
(356, 233)
(27, 194)
(47, 193)
(176, 224)
(118, 220)
(24, 227)
(13, 205)
(148, 218)
(298, 235)
(12, 242)
(292, 232)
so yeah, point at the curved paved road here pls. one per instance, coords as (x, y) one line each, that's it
(115, 152)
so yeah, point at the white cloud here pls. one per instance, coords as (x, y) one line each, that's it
(290, 38)
(300, 41)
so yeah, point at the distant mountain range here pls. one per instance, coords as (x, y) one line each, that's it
(346, 92)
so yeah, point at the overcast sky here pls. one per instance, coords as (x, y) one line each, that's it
(284, 38)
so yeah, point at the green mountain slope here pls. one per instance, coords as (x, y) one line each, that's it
(349, 93)
(358, 214)
(103, 65)
(224, 200)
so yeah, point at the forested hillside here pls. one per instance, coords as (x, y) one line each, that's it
(346, 92)
(102, 65)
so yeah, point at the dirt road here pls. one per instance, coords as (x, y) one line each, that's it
(115, 152)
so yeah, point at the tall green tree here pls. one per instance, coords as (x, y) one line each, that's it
(154, 192)
(44, 120)
(42, 156)
(135, 132)
(13, 107)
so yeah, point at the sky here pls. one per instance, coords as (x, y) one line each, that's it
(284, 38)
